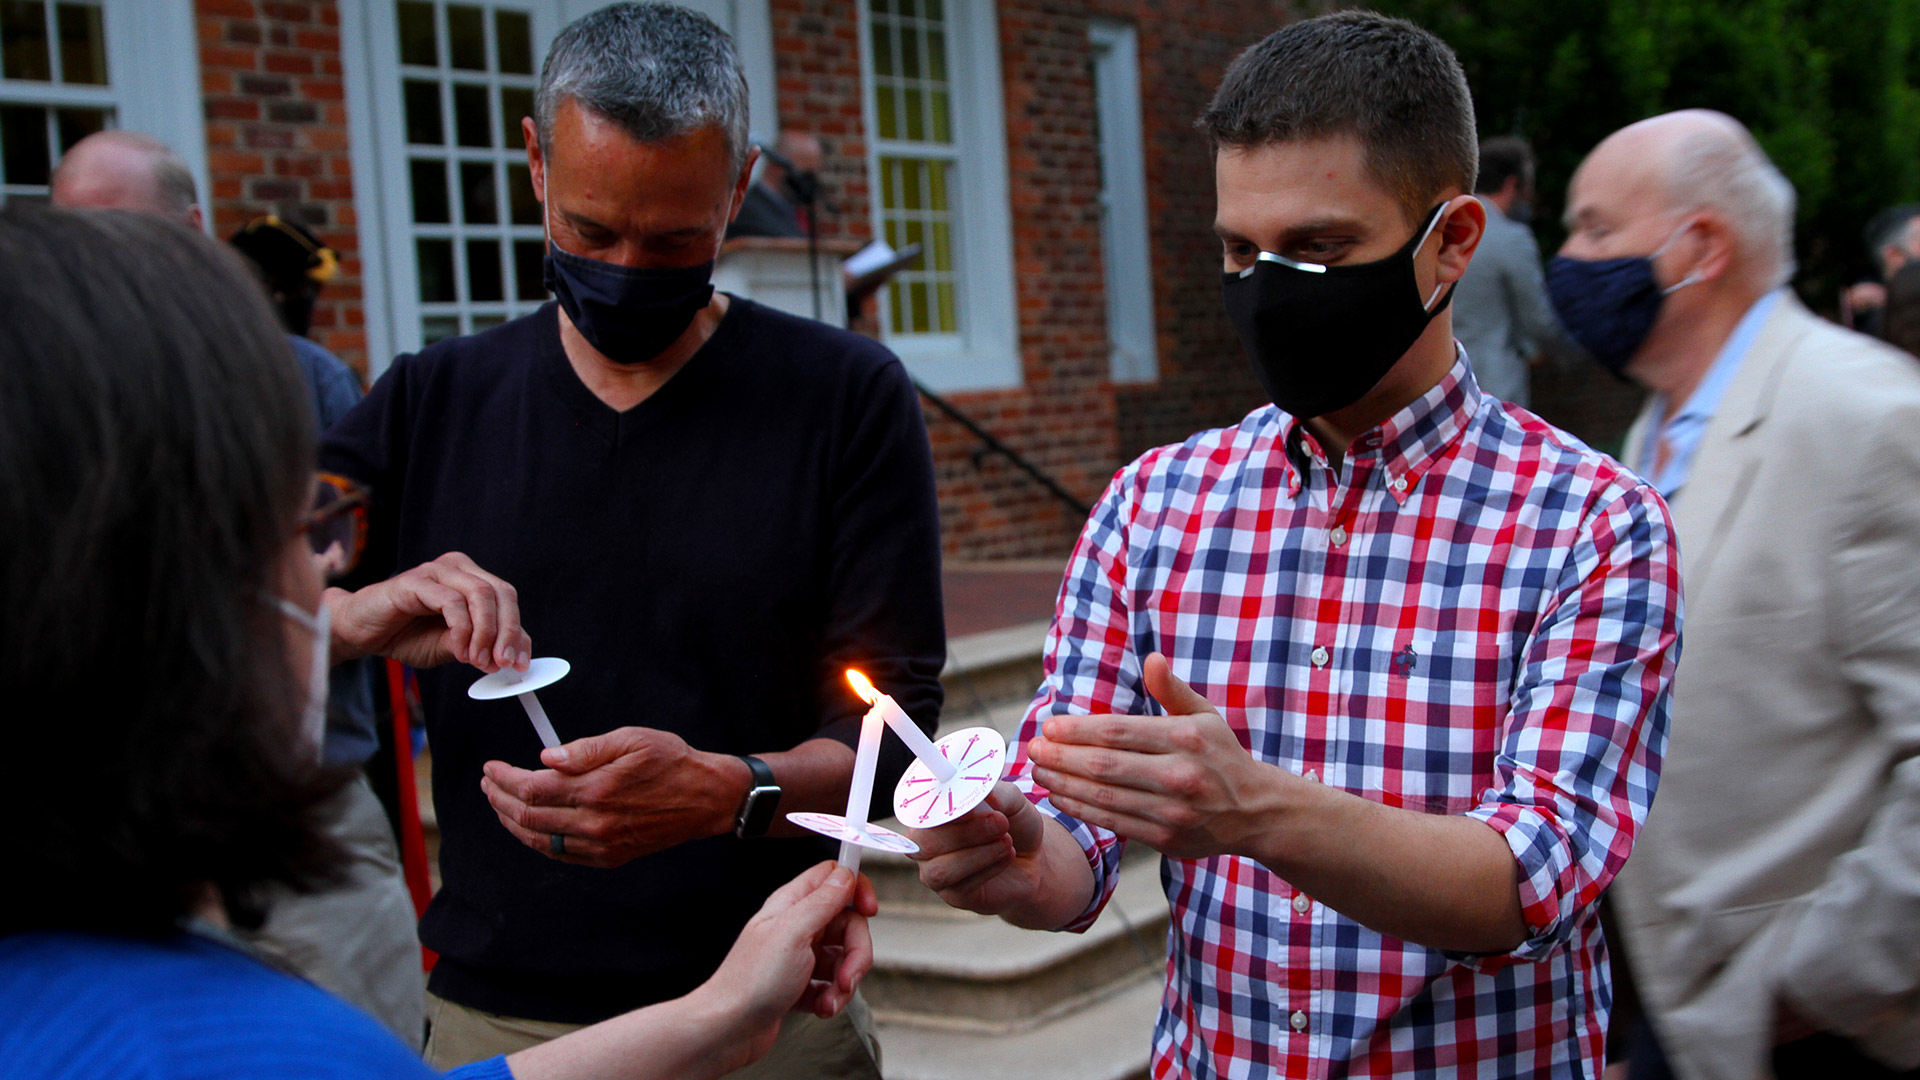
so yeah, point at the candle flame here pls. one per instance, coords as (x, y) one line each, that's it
(862, 687)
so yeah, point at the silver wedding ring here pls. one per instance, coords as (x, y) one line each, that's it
(557, 843)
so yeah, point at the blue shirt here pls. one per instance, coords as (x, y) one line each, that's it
(1682, 432)
(76, 1005)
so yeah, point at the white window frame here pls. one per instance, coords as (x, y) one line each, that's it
(370, 58)
(153, 81)
(1125, 243)
(985, 353)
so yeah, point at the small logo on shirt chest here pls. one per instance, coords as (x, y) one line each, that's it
(1404, 661)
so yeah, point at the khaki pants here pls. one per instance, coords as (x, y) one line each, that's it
(356, 939)
(842, 1048)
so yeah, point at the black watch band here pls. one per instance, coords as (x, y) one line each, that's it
(763, 798)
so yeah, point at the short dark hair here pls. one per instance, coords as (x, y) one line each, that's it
(156, 451)
(1396, 87)
(1884, 230)
(1502, 158)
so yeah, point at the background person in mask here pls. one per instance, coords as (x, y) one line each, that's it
(1411, 644)
(780, 201)
(1500, 313)
(710, 508)
(1771, 908)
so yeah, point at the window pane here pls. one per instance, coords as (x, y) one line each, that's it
(23, 144)
(437, 327)
(883, 6)
(487, 322)
(897, 305)
(83, 45)
(430, 205)
(915, 108)
(416, 34)
(478, 200)
(906, 7)
(529, 269)
(936, 56)
(436, 270)
(525, 208)
(76, 124)
(948, 320)
(921, 322)
(470, 116)
(930, 9)
(910, 181)
(423, 112)
(941, 257)
(884, 105)
(911, 42)
(466, 37)
(23, 41)
(513, 35)
(882, 50)
(515, 104)
(941, 131)
(483, 270)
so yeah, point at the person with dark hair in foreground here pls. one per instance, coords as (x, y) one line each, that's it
(1404, 651)
(158, 521)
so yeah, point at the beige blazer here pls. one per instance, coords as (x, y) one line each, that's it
(1782, 855)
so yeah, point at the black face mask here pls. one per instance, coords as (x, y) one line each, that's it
(1320, 337)
(630, 314)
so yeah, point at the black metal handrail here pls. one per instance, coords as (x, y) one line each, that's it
(991, 445)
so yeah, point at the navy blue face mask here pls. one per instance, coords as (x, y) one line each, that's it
(1609, 305)
(630, 314)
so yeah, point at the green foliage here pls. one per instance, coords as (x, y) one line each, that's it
(1831, 90)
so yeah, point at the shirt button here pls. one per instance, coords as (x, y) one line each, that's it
(1399, 483)
(1321, 656)
(1338, 535)
(1313, 776)
(1299, 1021)
(1301, 903)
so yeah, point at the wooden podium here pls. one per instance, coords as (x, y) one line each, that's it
(772, 270)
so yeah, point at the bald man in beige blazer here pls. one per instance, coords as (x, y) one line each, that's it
(1772, 905)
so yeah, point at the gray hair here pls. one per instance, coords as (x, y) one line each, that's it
(657, 70)
(1726, 171)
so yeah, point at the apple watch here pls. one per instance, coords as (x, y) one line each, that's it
(763, 798)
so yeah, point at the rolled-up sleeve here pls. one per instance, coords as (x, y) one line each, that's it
(1581, 751)
(1089, 666)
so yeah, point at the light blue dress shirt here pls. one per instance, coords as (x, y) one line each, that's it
(1682, 431)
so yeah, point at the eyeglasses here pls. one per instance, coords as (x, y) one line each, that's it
(336, 524)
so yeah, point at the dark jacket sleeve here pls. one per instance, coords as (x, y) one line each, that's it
(369, 446)
(883, 578)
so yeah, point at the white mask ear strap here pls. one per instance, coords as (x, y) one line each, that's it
(1432, 225)
(1692, 277)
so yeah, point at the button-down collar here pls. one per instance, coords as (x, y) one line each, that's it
(1400, 448)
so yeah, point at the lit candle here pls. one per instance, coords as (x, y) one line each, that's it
(860, 792)
(903, 726)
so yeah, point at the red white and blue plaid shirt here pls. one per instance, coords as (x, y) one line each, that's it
(1475, 614)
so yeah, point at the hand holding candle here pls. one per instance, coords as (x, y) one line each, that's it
(947, 778)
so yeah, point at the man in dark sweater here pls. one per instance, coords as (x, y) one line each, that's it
(710, 508)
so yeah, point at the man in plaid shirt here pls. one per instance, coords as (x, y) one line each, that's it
(1383, 670)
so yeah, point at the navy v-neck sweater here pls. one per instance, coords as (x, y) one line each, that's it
(710, 561)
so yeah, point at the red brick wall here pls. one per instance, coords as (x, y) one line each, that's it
(277, 139)
(1067, 416)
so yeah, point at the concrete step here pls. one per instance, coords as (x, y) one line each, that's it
(962, 972)
(1108, 1039)
(990, 668)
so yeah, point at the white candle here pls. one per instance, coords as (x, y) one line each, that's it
(860, 793)
(917, 740)
(548, 737)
